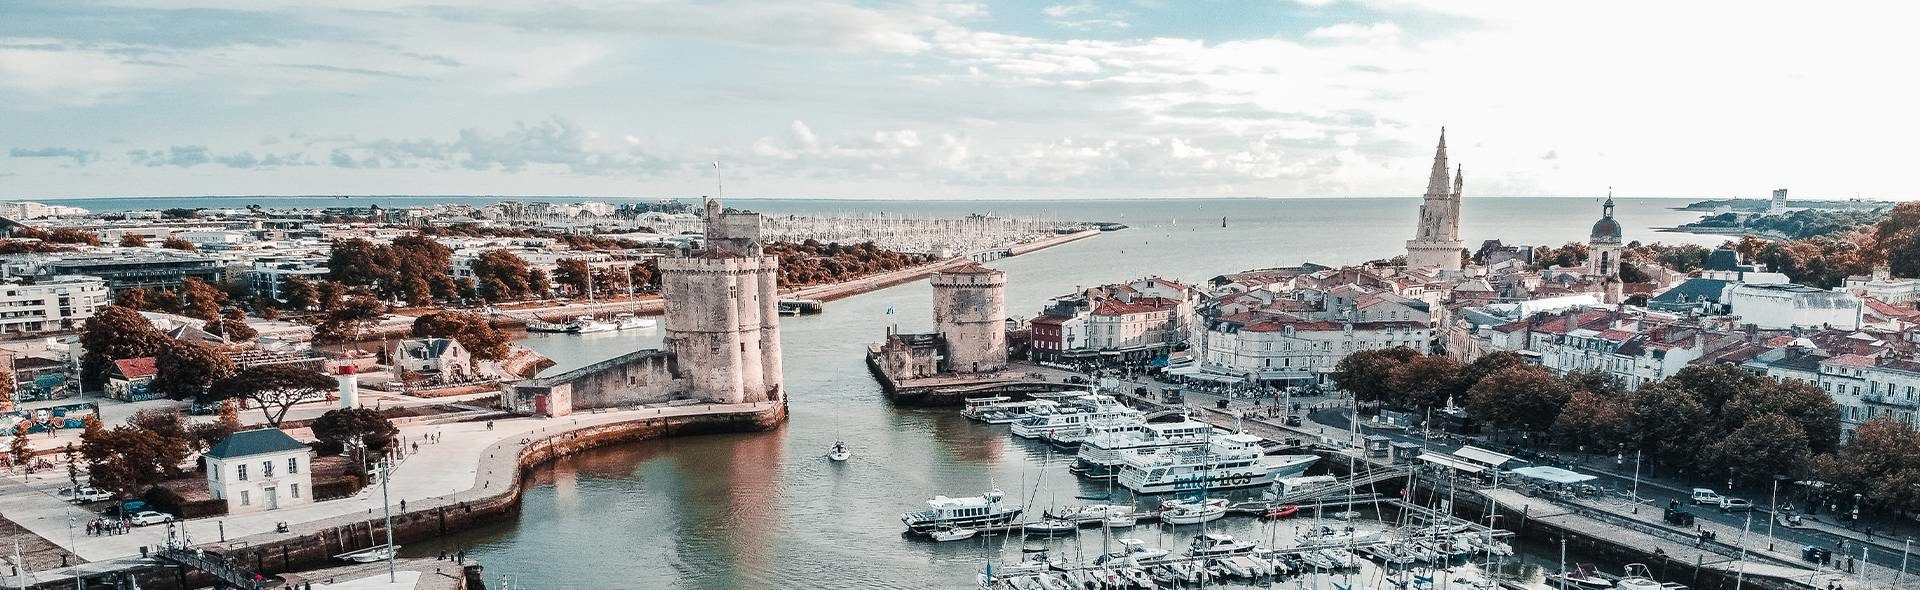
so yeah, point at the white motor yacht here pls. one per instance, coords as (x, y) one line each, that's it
(1135, 552)
(1181, 512)
(587, 325)
(1218, 544)
(1227, 461)
(989, 510)
(627, 321)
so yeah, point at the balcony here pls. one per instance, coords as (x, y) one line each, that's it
(1884, 399)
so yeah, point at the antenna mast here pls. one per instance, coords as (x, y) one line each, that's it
(719, 189)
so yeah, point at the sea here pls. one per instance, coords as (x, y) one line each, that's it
(768, 510)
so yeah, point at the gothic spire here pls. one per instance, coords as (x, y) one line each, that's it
(1607, 209)
(1437, 181)
(1459, 179)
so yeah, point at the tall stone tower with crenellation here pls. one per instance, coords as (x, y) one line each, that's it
(970, 314)
(723, 312)
(1436, 242)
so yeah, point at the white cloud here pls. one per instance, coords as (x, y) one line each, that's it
(1357, 32)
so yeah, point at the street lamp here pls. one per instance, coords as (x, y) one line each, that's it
(1773, 509)
(1856, 510)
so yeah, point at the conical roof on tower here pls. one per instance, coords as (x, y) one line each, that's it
(1437, 181)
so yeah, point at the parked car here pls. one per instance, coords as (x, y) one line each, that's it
(150, 517)
(84, 495)
(1678, 517)
(1735, 505)
(1706, 496)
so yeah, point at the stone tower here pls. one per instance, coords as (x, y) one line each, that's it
(969, 312)
(1436, 242)
(723, 312)
(1603, 252)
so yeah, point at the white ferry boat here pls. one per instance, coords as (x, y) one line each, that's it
(1227, 461)
(1084, 410)
(1101, 453)
(990, 511)
(976, 406)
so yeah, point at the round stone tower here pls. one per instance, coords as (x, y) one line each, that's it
(722, 312)
(969, 312)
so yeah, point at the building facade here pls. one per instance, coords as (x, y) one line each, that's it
(969, 313)
(259, 470)
(53, 303)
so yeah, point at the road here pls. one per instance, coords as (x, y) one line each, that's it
(1656, 492)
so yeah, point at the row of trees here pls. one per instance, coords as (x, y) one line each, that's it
(196, 299)
(191, 370)
(1825, 261)
(812, 263)
(1703, 420)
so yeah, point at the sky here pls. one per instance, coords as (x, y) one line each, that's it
(935, 99)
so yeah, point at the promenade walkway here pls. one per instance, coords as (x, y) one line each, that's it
(469, 462)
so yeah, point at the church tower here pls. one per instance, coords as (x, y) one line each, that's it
(1436, 241)
(1603, 252)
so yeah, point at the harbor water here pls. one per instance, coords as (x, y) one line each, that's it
(769, 510)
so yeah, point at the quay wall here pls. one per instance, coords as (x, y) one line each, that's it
(642, 377)
(313, 545)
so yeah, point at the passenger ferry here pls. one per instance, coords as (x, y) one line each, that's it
(1100, 455)
(1084, 410)
(987, 511)
(976, 406)
(1227, 461)
(1071, 438)
(1010, 412)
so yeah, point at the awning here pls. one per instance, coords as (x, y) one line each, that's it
(1186, 370)
(1483, 456)
(1451, 462)
(1551, 475)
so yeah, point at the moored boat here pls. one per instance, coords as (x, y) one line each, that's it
(989, 510)
(1227, 461)
(1181, 512)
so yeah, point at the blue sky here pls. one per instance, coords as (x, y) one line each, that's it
(836, 98)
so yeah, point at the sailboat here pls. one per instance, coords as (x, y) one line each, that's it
(839, 452)
(586, 324)
(628, 321)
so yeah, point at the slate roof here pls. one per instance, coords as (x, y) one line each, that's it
(1693, 290)
(254, 442)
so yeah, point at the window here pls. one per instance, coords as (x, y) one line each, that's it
(244, 499)
(293, 464)
(240, 472)
(293, 490)
(266, 469)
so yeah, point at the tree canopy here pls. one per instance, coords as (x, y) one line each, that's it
(275, 388)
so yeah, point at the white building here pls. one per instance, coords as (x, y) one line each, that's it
(1633, 349)
(19, 210)
(1778, 206)
(1265, 347)
(1787, 305)
(52, 303)
(269, 274)
(257, 470)
(1883, 286)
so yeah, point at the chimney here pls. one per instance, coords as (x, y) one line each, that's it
(1571, 319)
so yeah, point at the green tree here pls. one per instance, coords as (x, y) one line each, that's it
(1765, 446)
(1667, 422)
(573, 273)
(1597, 382)
(115, 333)
(345, 323)
(275, 388)
(70, 235)
(1879, 450)
(357, 262)
(1592, 421)
(355, 428)
(1473, 372)
(172, 243)
(132, 240)
(1523, 398)
(473, 331)
(188, 369)
(1367, 373)
(6, 391)
(1423, 382)
(298, 293)
(1807, 406)
(21, 449)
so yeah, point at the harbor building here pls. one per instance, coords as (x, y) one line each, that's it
(1436, 243)
(969, 313)
(256, 470)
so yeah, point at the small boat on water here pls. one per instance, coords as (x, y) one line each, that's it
(1049, 527)
(1090, 513)
(627, 321)
(587, 325)
(1582, 576)
(1183, 512)
(370, 554)
(976, 405)
(839, 452)
(1121, 521)
(1133, 552)
(1278, 512)
(952, 533)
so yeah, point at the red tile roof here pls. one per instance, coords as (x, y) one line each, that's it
(136, 368)
(1850, 360)
(1138, 305)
